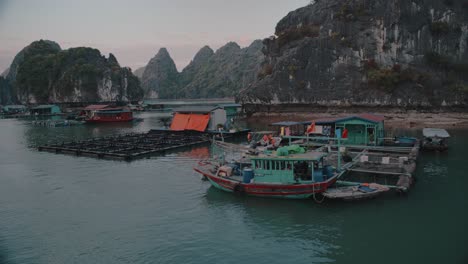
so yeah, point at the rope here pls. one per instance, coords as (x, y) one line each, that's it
(315, 198)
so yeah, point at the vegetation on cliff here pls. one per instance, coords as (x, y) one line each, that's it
(367, 52)
(42, 73)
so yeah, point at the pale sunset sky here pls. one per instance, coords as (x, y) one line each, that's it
(134, 30)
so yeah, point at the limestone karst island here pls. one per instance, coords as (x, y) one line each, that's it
(300, 131)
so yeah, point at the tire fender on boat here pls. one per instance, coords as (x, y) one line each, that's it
(238, 188)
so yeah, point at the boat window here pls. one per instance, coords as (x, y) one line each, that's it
(302, 170)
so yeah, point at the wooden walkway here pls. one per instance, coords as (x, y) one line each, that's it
(130, 146)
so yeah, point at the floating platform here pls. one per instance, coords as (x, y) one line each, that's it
(131, 146)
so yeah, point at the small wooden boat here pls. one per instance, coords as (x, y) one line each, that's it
(296, 176)
(362, 191)
(435, 139)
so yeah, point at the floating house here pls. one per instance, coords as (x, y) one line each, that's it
(106, 114)
(46, 110)
(232, 110)
(199, 118)
(363, 129)
(14, 109)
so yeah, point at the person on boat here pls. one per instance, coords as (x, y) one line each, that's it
(264, 141)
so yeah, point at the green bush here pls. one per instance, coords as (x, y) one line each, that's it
(266, 70)
(301, 32)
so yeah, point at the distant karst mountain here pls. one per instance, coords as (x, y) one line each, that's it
(160, 78)
(367, 52)
(139, 72)
(210, 74)
(42, 72)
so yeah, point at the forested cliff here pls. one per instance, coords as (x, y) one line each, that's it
(42, 72)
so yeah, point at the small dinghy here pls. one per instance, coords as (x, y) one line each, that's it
(358, 192)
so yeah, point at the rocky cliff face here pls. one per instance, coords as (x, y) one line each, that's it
(42, 73)
(210, 74)
(367, 52)
(160, 77)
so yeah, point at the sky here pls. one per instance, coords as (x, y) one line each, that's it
(134, 30)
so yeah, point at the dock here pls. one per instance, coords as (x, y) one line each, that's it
(132, 146)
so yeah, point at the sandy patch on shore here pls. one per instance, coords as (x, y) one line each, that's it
(410, 119)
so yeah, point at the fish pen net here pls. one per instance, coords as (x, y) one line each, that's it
(223, 153)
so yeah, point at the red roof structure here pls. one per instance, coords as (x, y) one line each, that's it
(197, 122)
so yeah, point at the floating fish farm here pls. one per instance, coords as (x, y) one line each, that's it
(130, 146)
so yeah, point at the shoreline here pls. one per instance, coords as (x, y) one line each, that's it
(397, 119)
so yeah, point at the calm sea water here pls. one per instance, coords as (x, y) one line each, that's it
(66, 209)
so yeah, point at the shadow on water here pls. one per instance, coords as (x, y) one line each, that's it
(4, 256)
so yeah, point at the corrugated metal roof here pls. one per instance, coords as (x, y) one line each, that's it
(196, 109)
(435, 132)
(330, 120)
(44, 106)
(230, 105)
(15, 106)
(286, 123)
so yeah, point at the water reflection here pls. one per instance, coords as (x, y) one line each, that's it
(307, 228)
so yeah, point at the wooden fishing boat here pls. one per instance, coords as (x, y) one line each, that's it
(296, 176)
(358, 192)
(435, 139)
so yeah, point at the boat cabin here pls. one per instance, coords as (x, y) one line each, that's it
(297, 168)
(200, 118)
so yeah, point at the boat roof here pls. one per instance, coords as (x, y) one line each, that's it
(263, 132)
(113, 110)
(308, 156)
(287, 123)
(435, 132)
(96, 107)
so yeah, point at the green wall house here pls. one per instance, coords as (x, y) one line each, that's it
(46, 110)
(14, 109)
(363, 129)
(366, 129)
(232, 110)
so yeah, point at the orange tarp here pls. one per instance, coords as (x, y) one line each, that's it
(190, 122)
(179, 122)
(198, 122)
